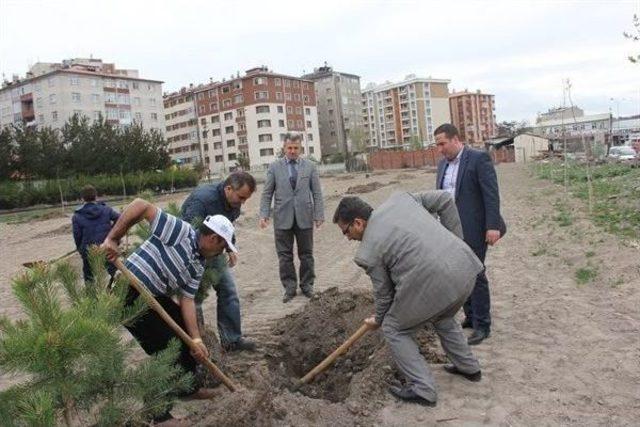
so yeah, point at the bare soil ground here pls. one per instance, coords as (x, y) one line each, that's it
(561, 352)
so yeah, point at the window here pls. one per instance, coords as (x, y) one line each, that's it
(231, 143)
(203, 121)
(212, 92)
(201, 109)
(287, 96)
(238, 99)
(280, 109)
(218, 159)
(278, 81)
(215, 119)
(307, 111)
(75, 97)
(217, 145)
(264, 123)
(54, 116)
(299, 123)
(261, 95)
(296, 84)
(290, 123)
(135, 85)
(298, 110)
(204, 133)
(242, 126)
(296, 97)
(266, 152)
(281, 123)
(215, 132)
(243, 140)
(154, 117)
(52, 98)
(305, 85)
(306, 98)
(237, 85)
(228, 116)
(259, 81)
(282, 137)
(287, 83)
(200, 96)
(309, 137)
(226, 89)
(262, 109)
(138, 117)
(278, 96)
(228, 129)
(311, 150)
(226, 103)
(74, 81)
(152, 102)
(289, 109)
(265, 137)
(231, 156)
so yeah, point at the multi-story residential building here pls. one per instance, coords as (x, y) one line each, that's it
(339, 110)
(474, 116)
(403, 115)
(249, 115)
(592, 124)
(182, 131)
(52, 92)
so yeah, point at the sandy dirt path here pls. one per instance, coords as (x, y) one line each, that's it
(560, 353)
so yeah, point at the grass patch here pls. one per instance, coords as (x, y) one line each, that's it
(590, 254)
(616, 194)
(586, 274)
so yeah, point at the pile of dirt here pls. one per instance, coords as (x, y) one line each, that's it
(345, 394)
(368, 188)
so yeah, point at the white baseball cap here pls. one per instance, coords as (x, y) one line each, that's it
(221, 225)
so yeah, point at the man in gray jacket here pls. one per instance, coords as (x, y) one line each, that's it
(421, 272)
(294, 185)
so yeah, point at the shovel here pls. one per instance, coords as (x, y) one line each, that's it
(30, 264)
(151, 301)
(322, 366)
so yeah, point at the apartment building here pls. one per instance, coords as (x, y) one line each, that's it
(248, 116)
(473, 113)
(339, 109)
(51, 93)
(403, 115)
(181, 129)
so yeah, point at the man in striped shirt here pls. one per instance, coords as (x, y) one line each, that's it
(170, 263)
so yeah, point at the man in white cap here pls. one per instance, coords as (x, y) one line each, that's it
(170, 263)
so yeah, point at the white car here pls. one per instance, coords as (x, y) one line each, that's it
(623, 152)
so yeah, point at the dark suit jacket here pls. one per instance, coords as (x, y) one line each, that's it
(477, 197)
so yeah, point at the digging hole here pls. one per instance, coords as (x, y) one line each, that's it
(310, 335)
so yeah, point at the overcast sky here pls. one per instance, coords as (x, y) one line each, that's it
(518, 50)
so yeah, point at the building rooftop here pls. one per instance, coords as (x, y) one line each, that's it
(411, 78)
(569, 120)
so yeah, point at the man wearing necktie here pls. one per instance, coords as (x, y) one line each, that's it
(469, 176)
(293, 184)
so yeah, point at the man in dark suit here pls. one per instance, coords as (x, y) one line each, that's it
(469, 175)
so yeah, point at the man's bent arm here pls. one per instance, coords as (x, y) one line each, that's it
(441, 202)
(188, 311)
(134, 213)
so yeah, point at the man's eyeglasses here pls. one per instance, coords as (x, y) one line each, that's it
(346, 230)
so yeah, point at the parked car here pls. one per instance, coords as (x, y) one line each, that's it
(622, 153)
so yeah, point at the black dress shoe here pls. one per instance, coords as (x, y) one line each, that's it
(408, 395)
(478, 336)
(467, 323)
(240, 345)
(307, 293)
(287, 298)
(475, 377)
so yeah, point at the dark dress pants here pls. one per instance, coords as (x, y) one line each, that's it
(284, 247)
(477, 307)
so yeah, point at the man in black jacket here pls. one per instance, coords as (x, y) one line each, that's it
(91, 223)
(470, 177)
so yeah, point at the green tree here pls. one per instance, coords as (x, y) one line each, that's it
(74, 355)
(358, 139)
(7, 153)
(243, 162)
(415, 143)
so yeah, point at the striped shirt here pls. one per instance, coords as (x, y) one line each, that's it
(169, 258)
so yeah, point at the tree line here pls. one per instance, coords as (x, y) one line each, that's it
(80, 147)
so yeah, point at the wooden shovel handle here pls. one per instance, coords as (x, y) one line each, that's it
(336, 353)
(155, 305)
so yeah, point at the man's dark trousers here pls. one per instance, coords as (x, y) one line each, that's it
(477, 307)
(284, 247)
